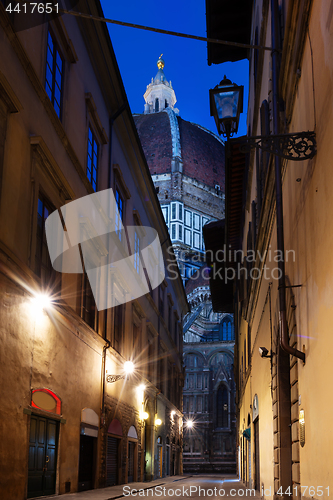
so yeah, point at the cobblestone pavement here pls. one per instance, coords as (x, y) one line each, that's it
(194, 487)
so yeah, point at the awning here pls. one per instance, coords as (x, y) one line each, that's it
(228, 20)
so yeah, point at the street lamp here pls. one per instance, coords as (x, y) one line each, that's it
(128, 369)
(226, 104)
(40, 303)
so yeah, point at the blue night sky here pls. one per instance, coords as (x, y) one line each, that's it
(137, 52)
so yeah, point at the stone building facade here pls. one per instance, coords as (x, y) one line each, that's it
(283, 224)
(72, 418)
(186, 162)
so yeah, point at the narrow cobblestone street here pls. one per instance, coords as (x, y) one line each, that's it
(203, 486)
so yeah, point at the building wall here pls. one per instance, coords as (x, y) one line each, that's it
(305, 87)
(71, 348)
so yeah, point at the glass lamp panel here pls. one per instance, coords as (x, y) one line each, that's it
(226, 104)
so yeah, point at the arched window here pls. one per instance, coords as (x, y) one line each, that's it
(157, 105)
(227, 330)
(222, 406)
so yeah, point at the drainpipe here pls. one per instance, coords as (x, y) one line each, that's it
(107, 342)
(284, 335)
(105, 347)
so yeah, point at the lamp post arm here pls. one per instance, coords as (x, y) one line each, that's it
(294, 146)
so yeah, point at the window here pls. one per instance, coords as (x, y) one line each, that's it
(136, 340)
(54, 74)
(166, 103)
(157, 105)
(173, 211)
(43, 266)
(150, 362)
(92, 159)
(119, 216)
(136, 252)
(165, 211)
(118, 326)
(89, 310)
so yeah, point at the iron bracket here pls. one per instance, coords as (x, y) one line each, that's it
(296, 147)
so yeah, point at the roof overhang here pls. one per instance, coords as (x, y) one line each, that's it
(221, 288)
(228, 20)
(235, 194)
(223, 237)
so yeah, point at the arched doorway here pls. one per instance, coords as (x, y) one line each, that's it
(43, 442)
(132, 452)
(115, 434)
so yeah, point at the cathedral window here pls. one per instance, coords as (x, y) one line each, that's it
(173, 211)
(157, 105)
(166, 103)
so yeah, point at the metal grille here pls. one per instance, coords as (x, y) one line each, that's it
(112, 461)
(130, 461)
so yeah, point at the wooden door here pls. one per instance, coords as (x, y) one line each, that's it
(43, 444)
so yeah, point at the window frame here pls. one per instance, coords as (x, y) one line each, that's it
(56, 50)
(119, 215)
(46, 204)
(93, 182)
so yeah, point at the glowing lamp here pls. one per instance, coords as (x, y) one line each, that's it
(128, 367)
(40, 302)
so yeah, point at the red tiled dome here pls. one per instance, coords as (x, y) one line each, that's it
(198, 279)
(202, 153)
(155, 135)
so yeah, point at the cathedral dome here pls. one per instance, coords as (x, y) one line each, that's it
(200, 152)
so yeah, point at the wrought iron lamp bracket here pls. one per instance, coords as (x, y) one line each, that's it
(113, 378)
(296, 147)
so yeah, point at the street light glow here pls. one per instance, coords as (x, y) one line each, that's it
(40, 302)
(189, 424)
(128, 367)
